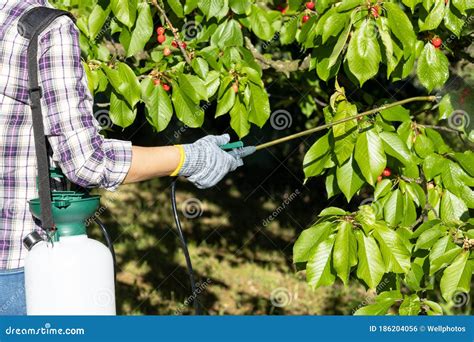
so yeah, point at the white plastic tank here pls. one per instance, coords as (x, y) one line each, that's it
(74, 276)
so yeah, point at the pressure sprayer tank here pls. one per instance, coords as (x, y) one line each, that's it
(71, 275)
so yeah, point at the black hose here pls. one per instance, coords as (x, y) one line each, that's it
(189, 265)
(109, 242)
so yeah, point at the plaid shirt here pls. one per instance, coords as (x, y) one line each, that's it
(85, 157)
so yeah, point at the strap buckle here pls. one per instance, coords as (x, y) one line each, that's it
(35, 90)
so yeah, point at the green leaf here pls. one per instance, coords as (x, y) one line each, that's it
(436, 309)
(211, 8)
(158, 105)
(97, 19)
(397, 113)
(378, 309)
(363, 52)
(414, 277)
(433, 165)
(143, 30)
(333, 211)
(190, 113)
(309, 239)
(394, 252)
(411, 3)
(190, 6)
(393, 208)
(228, 34)
(339, 46)
(212, 83)
(121, 113)
(125, 82)
(316, 157)
(332, 25)
(318, 268)
(428, 238)
(348, 5)
(466, 160)
(193, 87)
(382, 188)
(125, 11)
(240, 6)
(445, 107)
(259, 105)
(345, 251)
(370, 155)
(410, 306)
(288, 31)
(395, 147)
(424, 227)
(409, 215)
(176, 7)
(454, 21)
(434, 17)
(385, 35)
(366, 216)
(456, 277)
(433, 68)
(443, 252)
(261, 24)
(345, 135)
(349, 178)
(463, 5)
(200, 67)
(453, 209)
(226, 96)
(400, 25)
(423, 146)
(239, 120)
(371, 266)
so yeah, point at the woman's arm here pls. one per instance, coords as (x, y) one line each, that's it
(152, 162)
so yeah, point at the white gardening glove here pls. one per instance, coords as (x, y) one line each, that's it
(205, 163)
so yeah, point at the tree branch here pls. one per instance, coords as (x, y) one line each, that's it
(443, 128)
(285, 67)
(173, 30)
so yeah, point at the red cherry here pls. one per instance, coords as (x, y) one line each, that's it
(157, 82)
(160, 30)
(283, 11)
(375, 10)
(184, 45)
(437, 42)
(310, 5)
(387, 172)
(166, 87)
(161, 39)
(305, 18)
(174, 44)
(166, 51)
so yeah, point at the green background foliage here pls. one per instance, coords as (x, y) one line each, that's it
(410, 230)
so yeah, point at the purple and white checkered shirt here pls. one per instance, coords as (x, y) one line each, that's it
(85, 157)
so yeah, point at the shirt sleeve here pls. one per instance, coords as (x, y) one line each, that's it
(84, 155)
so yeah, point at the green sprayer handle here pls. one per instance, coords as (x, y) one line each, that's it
(238, 150)
(233, 145)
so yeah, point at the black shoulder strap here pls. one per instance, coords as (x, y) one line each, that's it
(30, 26)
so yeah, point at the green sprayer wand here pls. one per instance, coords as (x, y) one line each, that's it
(238, 146)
